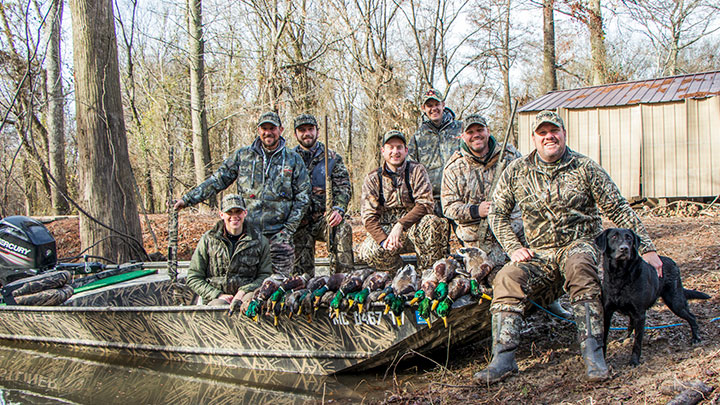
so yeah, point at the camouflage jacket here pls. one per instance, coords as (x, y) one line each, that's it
(466, 183)
(276, 188)
(560, 203)
(409, 205)
(341, 188)
(214, 270)
(432, 146)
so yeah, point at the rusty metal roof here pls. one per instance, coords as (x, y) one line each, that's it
(661, 90)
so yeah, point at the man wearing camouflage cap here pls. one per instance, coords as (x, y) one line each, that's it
(466, 183)
(229, 258)
(314, 225)
(273, 181)
(561, 194)
(436, 140)
(397, 211)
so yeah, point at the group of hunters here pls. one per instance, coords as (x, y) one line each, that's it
(543, 215)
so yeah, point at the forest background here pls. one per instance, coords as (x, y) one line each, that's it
(115, 85)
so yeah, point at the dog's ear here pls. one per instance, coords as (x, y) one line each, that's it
(637, 241)
(601, 240)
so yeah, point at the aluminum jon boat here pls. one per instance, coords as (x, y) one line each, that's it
(149, 316)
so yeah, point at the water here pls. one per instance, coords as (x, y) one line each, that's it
(33, 376)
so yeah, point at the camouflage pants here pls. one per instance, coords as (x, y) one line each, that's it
(428, 239)
(575, 267)
(341, 253)
(282, 253)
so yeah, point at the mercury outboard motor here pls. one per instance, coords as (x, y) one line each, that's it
(26, 248)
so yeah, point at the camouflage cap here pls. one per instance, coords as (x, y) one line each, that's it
(304, 119)
(394, 134)
(548, 116)
(270, 117)
(474, 119)
(231, 201)
(433, 94)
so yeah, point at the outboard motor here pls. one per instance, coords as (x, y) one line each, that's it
(26, 248)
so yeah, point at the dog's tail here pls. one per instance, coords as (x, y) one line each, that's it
(695, 295)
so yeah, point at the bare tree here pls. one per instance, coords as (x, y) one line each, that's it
(201, 143)
(674, 25)
(549, 60)
(110, 224)
(56, 113)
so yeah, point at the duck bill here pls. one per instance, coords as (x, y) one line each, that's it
(381, 296)
(255, 318)
(337, 312)
(413, 301)
(309, 318)
(444, 318)
(276, 321)
(387, 309)
(428, 322)
(434, 305)
(398, 319)
(360, 307)
(487, 297)
(350, 303)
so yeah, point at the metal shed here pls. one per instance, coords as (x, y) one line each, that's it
(657, 138)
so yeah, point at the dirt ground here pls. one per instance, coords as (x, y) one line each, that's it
(551, 368)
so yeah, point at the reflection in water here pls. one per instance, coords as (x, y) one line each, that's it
(43, 377)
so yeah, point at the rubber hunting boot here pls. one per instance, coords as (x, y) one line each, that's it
(589, 319)
(506, 337)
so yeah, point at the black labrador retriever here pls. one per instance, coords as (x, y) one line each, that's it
(631, 286)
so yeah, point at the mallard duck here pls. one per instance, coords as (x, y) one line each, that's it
(458, 287)
(292, 302)
(295, 282)
(478, 265)
(333, 283)
(373, 283)
(403, 286)
(306, 305)
(268, 287)
(444, 270)
(428, 282)
(425, 295)
(351, 284)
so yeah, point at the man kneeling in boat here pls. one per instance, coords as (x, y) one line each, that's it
(397, 211)
(229, 258)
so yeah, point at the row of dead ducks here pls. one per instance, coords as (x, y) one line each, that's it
(434, 292)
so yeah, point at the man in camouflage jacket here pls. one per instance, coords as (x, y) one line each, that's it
(397, 211)
(436, 140)
(466, 184)
(314, 225)
(229, 257)
(274, 182)
(561, 194)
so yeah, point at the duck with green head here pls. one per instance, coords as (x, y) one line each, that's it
(375, 282)
(444, 270)
(458, 287)
(479, 266)
(403, 287)
(332, 285)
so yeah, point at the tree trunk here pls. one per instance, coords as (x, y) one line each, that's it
(597, 43)
(201, 143)
(104, 170)
(549, 62)
(56, 117)
(505, 61)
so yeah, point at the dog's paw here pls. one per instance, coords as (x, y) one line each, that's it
(634, 362)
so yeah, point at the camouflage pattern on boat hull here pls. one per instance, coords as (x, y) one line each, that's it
(203, 334)
(85, 381)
